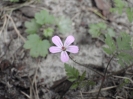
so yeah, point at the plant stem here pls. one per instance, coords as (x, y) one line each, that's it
(90, 66)
(104, 76)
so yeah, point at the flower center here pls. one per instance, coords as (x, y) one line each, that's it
(63, 48)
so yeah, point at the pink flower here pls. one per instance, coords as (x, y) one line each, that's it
(63, 48)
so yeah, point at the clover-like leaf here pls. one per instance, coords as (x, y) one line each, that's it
(43, 17)
(48, 32)
(71, 72)
(32, 27)
(37, 46)
(64, 24)
(96, 28)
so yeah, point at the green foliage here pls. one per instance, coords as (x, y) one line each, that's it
(32, 27)
(37, 46)
(74, 76)
(111, 32)
(72, 73)
(77, 79)
(125, 82)
(111, 45)
(43, 17)
(124, 58)
(129, 12)
(123, 42)
(96, 28)
(64, 24)
(132, 42)
(119, 48)
(119, 5)
(48, 32)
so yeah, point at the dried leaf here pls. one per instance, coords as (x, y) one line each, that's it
(104, 6)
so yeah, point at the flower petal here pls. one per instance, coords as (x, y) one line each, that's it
(57, 41)
(73, 49)
(64, 56)
(69, 40)
(54, 49)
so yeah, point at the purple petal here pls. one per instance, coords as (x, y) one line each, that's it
(57, 41)
(54, 49)
(69, 40)
(73, 49)
(64, 56)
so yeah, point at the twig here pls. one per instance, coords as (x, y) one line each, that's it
(25, 94)
(5, 20)
(22, 5)
(81, 95)
(34, 82)
(103, 89)
(17, 31)
(104, 75)
(124, 78)
(119, 97)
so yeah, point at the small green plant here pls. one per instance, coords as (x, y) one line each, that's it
(119, 48)
(37, 46)
(125, 82)
(64, 24)
(100, 30)
(43, 25)
(96, 29)
(74, 76)
(120, 5)
(48, 32)
(32, 27)
(43, 17)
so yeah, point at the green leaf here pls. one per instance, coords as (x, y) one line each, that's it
(132, 42)
(124, 58)
(37, 46)
(43, 17)
(111, 32)
(123, 42)
(129, 12)
(48, 32)
(96, 28)
(64, 24)
(111, 45)
(32, 27)
(74, 85)
(87, 83)
(72, 73)
(119, 5)
(82, 77)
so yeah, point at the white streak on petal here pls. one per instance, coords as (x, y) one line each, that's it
(64, 56)
(54, 49)
(57, 41)
(72, 49)
(69, 40)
